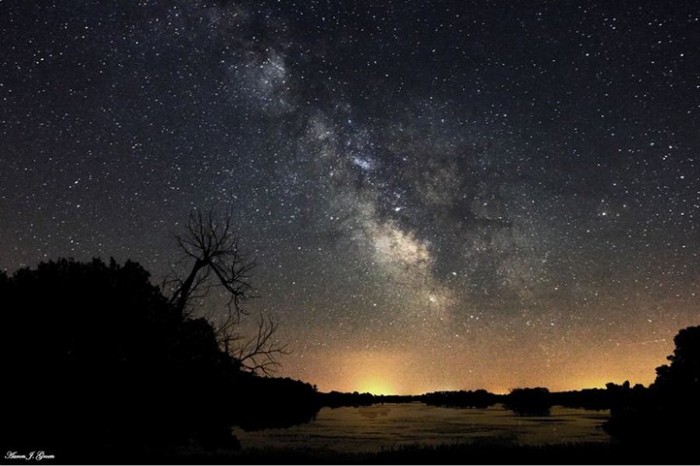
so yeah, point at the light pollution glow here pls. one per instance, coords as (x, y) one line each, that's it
(415, 372)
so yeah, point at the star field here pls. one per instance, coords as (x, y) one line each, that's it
(439, 195)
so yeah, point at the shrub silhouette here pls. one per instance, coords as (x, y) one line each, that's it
(529, 401)
(112, 364)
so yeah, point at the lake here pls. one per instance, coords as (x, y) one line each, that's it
(384, 426)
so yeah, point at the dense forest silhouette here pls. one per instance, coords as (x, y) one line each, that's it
(98, 361)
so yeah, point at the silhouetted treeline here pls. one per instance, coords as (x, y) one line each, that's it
(527, 401)
(264, 402)
(336, 399)
(536, 400)
(669, 411)
(480, 398)
(471, 399)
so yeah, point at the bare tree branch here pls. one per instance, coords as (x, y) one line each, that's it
(210, 247)
(260, 353)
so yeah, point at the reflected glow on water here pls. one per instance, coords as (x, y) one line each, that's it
(373, 428)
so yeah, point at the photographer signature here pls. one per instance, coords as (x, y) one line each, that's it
(31, 456)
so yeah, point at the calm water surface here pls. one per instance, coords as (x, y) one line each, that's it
(373, 428)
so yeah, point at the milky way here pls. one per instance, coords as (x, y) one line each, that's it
(439, 195)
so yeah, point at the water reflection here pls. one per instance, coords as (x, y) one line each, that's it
(377, 427)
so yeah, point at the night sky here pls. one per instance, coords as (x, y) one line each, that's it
(439, 195)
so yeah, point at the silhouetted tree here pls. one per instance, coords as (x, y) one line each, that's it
(681, 378)
(669, 410)
(213, 259)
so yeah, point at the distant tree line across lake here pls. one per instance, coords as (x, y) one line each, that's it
(97, 360)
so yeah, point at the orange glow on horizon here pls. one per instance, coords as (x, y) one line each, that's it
(414, 369)
(436, 359)
(376, 386)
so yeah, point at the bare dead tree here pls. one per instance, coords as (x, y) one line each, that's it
(213, 258)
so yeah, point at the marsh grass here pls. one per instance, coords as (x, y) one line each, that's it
(491, 451)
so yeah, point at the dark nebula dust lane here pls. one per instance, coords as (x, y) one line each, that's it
(439, 195)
